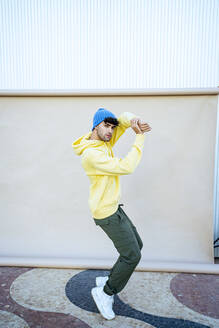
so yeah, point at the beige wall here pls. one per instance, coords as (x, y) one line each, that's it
(45, 219)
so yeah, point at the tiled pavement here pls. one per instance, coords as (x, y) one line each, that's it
(57, 298)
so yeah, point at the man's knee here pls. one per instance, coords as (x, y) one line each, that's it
(133, 256)
(140, 244)
(138, 257)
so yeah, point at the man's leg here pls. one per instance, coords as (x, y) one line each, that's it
(140, 243)
(128, 243)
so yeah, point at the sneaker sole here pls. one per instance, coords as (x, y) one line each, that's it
(97, 302)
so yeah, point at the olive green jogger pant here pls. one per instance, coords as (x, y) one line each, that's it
(128, 243)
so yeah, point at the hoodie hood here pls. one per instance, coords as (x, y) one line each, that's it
(83, 143)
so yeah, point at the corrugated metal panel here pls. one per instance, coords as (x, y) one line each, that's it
(92, 44)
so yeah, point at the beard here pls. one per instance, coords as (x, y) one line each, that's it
(103, 136)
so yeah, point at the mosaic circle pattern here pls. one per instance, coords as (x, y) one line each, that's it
(200, 292)
(22, 317)
(78, 291)
(42, 297)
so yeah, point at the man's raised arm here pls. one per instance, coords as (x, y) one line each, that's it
(127, 120)
(124, 123)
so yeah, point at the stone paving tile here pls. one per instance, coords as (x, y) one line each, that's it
(199, 292)
(13, 315)
(44, 298)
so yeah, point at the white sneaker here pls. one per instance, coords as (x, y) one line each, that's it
(100, 281)
(103, 302)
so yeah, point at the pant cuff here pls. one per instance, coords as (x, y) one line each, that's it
(107, 290)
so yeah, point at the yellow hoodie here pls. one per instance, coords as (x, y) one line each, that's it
(104, 170)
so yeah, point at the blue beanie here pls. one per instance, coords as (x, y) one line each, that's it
(100, 116)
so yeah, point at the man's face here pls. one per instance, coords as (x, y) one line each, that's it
(105, 131)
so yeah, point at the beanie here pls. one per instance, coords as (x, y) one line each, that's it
(100, 116)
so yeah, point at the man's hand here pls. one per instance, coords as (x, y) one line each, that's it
(145, 127)
(138, 126)
(135, 125)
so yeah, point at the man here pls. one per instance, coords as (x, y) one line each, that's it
(104, 170)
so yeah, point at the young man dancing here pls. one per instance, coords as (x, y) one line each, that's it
(104, 170)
